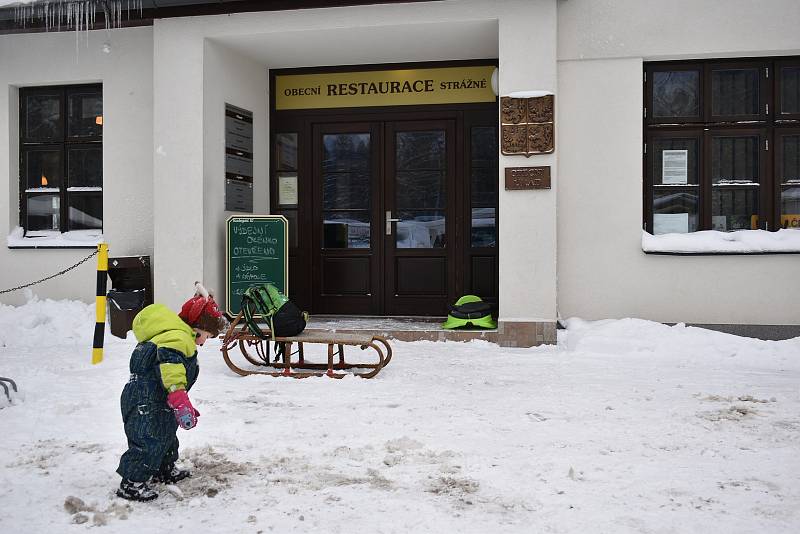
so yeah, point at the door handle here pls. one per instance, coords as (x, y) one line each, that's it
(389, 221)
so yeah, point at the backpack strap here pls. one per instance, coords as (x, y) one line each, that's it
(260, 300)
(248, 306)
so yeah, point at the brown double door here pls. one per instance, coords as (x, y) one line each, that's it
(384, 210)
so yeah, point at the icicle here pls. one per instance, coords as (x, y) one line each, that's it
(81, 15)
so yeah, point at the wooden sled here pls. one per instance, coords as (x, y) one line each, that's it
(256, 351)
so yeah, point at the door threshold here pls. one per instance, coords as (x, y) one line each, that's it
(401, 328)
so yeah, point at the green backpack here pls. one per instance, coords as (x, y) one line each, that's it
(284, 318)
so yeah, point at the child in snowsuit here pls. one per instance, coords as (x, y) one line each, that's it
(155, 401)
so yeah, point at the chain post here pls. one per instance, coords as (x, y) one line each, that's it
(100, 303)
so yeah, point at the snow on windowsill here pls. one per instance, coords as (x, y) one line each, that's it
(53, 239)
(714, 242)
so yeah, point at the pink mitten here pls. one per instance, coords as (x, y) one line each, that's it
(185, 413)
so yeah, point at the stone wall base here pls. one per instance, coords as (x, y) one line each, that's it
(525, 334)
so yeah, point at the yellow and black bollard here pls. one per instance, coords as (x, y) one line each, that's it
(100, 303)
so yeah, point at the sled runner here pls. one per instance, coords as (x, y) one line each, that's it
(256, 350)
(3, 381)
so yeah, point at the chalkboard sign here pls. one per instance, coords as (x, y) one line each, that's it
(256, 252)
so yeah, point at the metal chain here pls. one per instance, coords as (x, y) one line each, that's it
(59, 273)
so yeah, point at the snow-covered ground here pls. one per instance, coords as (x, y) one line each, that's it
(626, 426)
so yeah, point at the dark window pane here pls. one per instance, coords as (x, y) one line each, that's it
(675, 209)
(420, 229)
(85, 167)
(674, 161)
(790, 206)
(85, 114)
(43, 168)
(484, 187)
(483, 179)
(346, 229)
(85, 211)
(734, 92)
(734, 208)
(484, 145)
(421, 189)
(420, 150)
(790, 90)
(286, 152)
(346, 190)
(791, 158)
(734, 160)
(291, 217)
(347, 171)
(484, 227)
(42, 121)
(346, 152)
(676, 93)
(42, 212)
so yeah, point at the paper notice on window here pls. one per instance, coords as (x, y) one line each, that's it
(670, 223)
(675, 167)
(287, 190)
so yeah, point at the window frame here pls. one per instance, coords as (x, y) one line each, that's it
(650, 118)
(62, 144)
(764, 93)
(768, 125)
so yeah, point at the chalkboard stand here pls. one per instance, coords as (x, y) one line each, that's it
(256, 252)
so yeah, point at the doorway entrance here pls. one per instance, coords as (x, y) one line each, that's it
(385, 214)
(388, 176)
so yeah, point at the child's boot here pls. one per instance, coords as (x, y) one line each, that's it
(170, 475)
(135, 491)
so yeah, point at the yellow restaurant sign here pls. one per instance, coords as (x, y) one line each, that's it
(451, 85)
(787, 221)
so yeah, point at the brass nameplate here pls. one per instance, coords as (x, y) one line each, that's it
(527, 178)
(447, 85)
(527, 125)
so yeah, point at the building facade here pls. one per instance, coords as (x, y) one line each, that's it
(539, 251)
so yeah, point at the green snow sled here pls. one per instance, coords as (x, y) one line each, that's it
(470, 310)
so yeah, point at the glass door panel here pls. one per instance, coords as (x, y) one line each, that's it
(421, 197)
(346, 177)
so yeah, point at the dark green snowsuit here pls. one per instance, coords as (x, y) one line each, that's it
(159, 364)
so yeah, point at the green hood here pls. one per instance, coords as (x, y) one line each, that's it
(162, 326)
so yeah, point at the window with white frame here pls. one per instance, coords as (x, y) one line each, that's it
(722, 145)
(61, 159)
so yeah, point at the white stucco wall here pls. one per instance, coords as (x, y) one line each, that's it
(526, 51)
(229, 78)
(527, 232)
(602, 271)
(126, 74)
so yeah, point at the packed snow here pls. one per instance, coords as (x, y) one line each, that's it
(625, 426)
(53, 238)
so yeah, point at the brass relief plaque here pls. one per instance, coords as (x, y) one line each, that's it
(527, 178)
(527, 125)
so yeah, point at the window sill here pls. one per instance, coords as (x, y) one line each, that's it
(66, 240)
(712, 242)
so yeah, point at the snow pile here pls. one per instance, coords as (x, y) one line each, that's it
(636, 337)
(627, 426)
(713, 241)
(46, 323)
